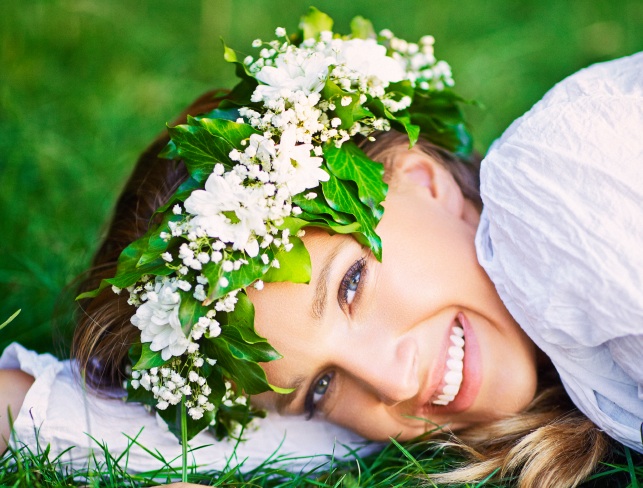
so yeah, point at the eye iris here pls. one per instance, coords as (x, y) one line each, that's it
(354, 282)
(322, 385)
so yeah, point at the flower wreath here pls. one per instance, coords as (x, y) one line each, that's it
(276, 156)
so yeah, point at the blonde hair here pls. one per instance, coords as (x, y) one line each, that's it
(548, 444)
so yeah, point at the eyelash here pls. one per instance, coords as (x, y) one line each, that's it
(356, 271)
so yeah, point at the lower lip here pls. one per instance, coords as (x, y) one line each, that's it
(472, 373)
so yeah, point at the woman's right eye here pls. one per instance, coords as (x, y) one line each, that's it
(317, 392)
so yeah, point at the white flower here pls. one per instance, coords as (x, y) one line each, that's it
(294, 70)
(280, 32)
(294, 165)
(369, 59)
(159, 322)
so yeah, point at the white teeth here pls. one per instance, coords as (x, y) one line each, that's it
(453, 375)
(455, 364)
(453, 378)
(457, 341)
(456, 352)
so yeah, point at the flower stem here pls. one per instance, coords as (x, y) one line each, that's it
(184, 441)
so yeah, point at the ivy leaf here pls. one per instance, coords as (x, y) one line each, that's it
(314, 22)
(247, 374)
(441, 120)
(190, 311)
(350, 163)
(148, 358)
(128, 270)
(401, 120)
(231, 113)
(243, 317)
(259, 351)
(362, 28)
(294, 265)
(157, 245)
(319, 206)
(349, 114)
(241, 278)
(342, 197)
(204, 142)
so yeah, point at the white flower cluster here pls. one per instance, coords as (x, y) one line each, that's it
(238, 214)
(169, 386)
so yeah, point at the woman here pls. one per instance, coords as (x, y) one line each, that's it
(422, 341)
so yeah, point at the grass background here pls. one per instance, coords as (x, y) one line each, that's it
(86, 84)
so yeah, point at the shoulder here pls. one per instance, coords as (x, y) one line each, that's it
(14, 385)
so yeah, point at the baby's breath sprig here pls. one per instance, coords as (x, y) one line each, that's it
(276, 156)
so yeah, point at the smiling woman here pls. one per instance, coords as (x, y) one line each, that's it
(420, 335)
(329, 209)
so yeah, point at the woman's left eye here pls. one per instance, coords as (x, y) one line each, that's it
(317, 392)
(349, 286)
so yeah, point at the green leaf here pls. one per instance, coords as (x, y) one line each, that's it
(259, 351)
(362, 28)
(10, 319)
(400, 120)
(231, 113)
(172, 417)
(282, 391)
(247, 374)
(314, 22)
(441, 120)
(318, 206)
(241, 278)
(139, 395)
(350, 163)
(349, 114)
(243, 317)
(169, 151)
(128, 271)
(342, 197)
(204, 142)
(294, 265)
(190, 311)
(157, 245)
(148, 358)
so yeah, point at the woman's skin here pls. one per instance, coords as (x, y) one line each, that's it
(374, 358)
(14, 385)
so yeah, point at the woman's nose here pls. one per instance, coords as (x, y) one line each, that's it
(387, 366)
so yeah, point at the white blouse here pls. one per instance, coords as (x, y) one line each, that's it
(561, 237)
(57, 411)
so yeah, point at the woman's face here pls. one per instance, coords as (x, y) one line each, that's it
(402, 346)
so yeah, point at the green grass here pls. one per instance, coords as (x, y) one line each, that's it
(395, 466)
(86, 84)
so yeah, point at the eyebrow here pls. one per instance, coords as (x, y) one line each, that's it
(321, 288)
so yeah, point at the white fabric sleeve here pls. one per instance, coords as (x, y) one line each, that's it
(58, 412)
(561, 237)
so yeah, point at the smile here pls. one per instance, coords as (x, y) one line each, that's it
(452, 380)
